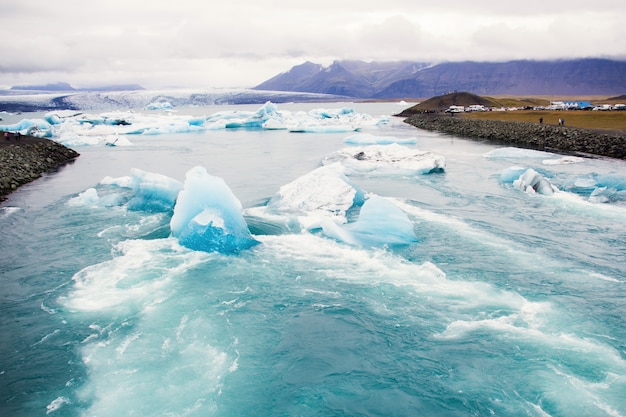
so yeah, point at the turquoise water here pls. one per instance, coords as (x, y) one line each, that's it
(509, 304)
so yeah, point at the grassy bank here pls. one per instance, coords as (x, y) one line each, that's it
(605, 120)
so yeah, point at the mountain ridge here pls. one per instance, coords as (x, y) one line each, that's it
(409, 79)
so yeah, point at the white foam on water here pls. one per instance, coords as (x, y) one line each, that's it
(137, 277)
(8, 211)
(150, 346)
(374, 267)
(56, 404)
(577, 204)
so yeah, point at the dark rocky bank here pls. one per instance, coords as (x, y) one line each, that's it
(26, 158)
(562, 139)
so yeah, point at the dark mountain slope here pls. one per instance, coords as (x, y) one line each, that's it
(386, 80)
(292, 79)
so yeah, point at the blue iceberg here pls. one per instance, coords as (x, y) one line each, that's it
(208, 217)
(380, 223)
(154, 193)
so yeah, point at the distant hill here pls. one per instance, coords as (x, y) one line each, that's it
(395, 80)
(65, 87)
(441, 103)
(45, 87)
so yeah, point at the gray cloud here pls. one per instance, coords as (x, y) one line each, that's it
(188, 43)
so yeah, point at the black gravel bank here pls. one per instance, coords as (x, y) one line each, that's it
(562, 139)
(26, 158)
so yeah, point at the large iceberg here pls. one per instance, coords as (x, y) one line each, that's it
(324, 192)
(387, 159)
(208, 217)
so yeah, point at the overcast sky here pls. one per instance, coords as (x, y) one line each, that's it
(241, 43)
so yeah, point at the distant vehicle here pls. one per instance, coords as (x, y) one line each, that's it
(619, 107)
(455, 109)
(603, 107)
(475, 107)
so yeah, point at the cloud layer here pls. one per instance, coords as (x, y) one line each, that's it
(188, 43)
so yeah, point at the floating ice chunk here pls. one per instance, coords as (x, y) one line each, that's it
(91, 198)
(34, 127)
(322, 128)
(598, 188)
(387, 159)
(325, 191)
(273, 124)
(160, 105)
(154, 193)
(117, 140)
(532, 182)
(369, 139)
(208, 217)
(88, 197)
(516, 153)
(566, 160)
(380, 223)
(511, 174)
(124, 182)
(56, 404)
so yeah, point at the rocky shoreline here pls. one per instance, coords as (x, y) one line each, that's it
(562, 139)
(26, 158)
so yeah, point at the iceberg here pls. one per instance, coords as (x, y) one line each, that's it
(89, 197)
(160, 105)
(33, 127)
(75, 128)
(380, 223)
(510, 152)
(369, 139)
(208, 217)
(387, 159)
(511, 174)
(322, 193)
(153, 193)
(532, 182)
(598, 188)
